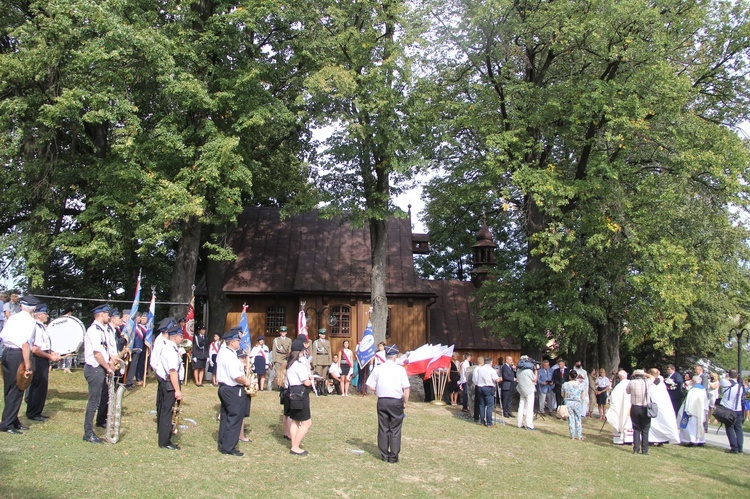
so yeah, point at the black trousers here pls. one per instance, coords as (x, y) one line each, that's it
(233, 410)
(166, 405)
(507, 399)
(135, 368)
(12, 358)
(390, 419)
(103, 409)
(38, 389)
(96, 377)
(641, 427)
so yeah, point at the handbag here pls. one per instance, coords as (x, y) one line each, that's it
(296, 397)
(725, 415)
(685, 419)
(563, 412)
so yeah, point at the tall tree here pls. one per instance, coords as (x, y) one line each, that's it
(605, 131)
(360, 90)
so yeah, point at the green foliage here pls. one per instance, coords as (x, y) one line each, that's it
(609, 127)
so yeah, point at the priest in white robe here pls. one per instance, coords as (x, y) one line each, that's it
(664, 425)
(618, 414)
(693, 413)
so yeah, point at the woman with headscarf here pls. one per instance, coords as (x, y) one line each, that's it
(693, 413)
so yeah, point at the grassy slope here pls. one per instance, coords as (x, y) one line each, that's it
(442, 454)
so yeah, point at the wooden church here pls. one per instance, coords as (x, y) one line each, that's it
(325, 264)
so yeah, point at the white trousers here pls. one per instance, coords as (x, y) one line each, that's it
(526, 405)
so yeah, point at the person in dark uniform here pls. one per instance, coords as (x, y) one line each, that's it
(169, 373)
(18, 336)
(391, 384)
(674, 382)
(200, 354)
(42, 355)
(137, 359)
(559, 376)
(98, 366)
(230, 375)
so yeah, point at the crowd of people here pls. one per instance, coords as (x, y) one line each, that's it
(642, 408)
(298, 367)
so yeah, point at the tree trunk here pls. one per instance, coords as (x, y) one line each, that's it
(186, 261)
(379, 245)
(218, 303)
(609, 345)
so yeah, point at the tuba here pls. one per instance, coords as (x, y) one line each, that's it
(114, 410)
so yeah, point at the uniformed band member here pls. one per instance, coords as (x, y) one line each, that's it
(280, 351)
(98, 366)
(42, 355)
(321, 353)
(18, 335)
(230, 375)
(161, 341)
(391, 384)
(169, 374)
(111, 341)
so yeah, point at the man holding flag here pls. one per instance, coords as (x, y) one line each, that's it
(391, 384)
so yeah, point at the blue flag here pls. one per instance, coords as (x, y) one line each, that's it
(148, 339)
(130, 326)
(246, 340)
(366, 347)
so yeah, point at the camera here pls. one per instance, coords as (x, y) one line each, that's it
(526, 362)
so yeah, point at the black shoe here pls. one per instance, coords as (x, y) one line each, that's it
(234, 452)
(13, 431)
(39, 419)
(22, 427)
(93, 439)
(732, 451)
(170, 447)
(101, 425)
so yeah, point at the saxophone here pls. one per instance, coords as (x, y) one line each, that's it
(114, 410)
(176, 416)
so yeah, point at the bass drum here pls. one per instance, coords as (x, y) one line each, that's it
(66, 334)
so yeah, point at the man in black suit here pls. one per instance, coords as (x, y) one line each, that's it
(674, 383)
(559, 377)
(508, 373)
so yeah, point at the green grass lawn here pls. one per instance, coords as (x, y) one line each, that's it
(442, 455)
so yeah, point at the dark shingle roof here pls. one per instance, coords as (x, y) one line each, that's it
(304, 254)
(452, 321)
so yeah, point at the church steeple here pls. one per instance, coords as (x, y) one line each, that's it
(483, 257)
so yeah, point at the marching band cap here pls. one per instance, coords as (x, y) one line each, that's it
(100, 308)
(302, 337)
(282, 329)
(164, 324)
(232, 334)
(41, 308)
(391, 350)
(181, 319)
(173, 330)
(297, 345)
(29, 301)
(115, 312)
(261, 338)
(66, 310)
(241, 353)
(201, 328)
(321, 331)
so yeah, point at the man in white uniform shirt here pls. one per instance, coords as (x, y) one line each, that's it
(391, 385)
(160, 341)
(18, 336)
(230, 374)
(98, 366)
(169, 373)
(42, 355)
(111, 341)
